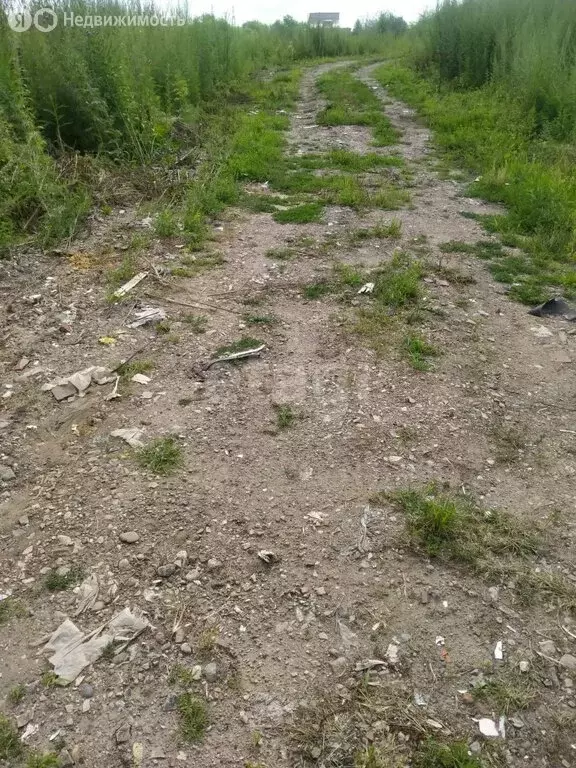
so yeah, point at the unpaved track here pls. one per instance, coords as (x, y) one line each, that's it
(365, 424)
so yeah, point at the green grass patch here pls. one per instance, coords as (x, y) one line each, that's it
(10, 744)
(351, 102)
(196, 323)
(436, 754)
(306, 213)
(398, 283)
(16, 694)
(453, 527)
(281, 254)
(488, 132)
(418, 351)
(505, 694)
(193, 716)
(162, 456)
(45, 760)
(127, 370)
(241, 345)
(318, 289)
(11, 608)
(266, 320)
(285, 416)
(58, 582)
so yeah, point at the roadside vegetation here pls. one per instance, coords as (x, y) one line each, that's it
(81, 105)
(495, 81)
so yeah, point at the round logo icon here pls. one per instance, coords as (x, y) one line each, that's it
(20, 21)
(45, 20)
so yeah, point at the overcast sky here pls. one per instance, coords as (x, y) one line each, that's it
(270, 10)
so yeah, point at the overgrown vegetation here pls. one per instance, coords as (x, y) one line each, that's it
(94, 98)
(351, 102)
(10, 608)
(495, 81)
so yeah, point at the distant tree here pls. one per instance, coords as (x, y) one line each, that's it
(386, 23)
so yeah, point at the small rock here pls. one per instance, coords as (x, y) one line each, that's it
(86, 690)
(166, 570)
(517, 722)
(65, 759)
(86, 706)
(193, 575)
(315, 753)
(424, 596)
(63, 392)
(210, 672)
(339, 666)
(124, 564)
(548, 647)
(130, 537)
(123, 734)
(66, 541)
(179, 636)
(76, 753)
(494, 593)
(475, 747)
(524, 666)
(186, 648)
(170, 703)
(213, 564)
(392, 654)
(181, 558)
(568, 661)
(23, 520)
(22, 721)
(157, 753)
(6, 473)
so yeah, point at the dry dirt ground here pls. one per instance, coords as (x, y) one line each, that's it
(345, 583)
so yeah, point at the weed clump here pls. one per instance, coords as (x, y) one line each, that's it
(58, 582)
(418, 352)
(193, 717)
(453, 527)
(162, 456)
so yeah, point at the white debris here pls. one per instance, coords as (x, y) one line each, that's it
(541, 332)
(131, 435)
(489, 728)
(139, 378)
(72, 650)
(349, 638)
(440, 641)
(392, 654)
(148, 315)
(127, 287)
(30, 731)
(499, 651)
(88, 592)
(366, 288)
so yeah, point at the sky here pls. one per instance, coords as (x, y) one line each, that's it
(268, 11)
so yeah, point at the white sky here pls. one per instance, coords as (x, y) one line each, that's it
(268, 11)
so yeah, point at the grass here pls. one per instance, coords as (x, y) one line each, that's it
(435, 754)
(45, 760)
(196, 323)
(418, 351)
(351, 102)
(49, 679)
(127, 370)
(305, 213)
(382, 230)
(10, 744)
(193, 716)
(207, 642)
(10, 608)
(280, 254)
(285, 416)
(16, 694)
(453, 527)
(266, 320)
(489, 131)
(58, 582)
(162, 456)
(182, 675)
(506, 694)
(241, 345)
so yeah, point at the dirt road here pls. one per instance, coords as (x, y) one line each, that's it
(494, 416)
